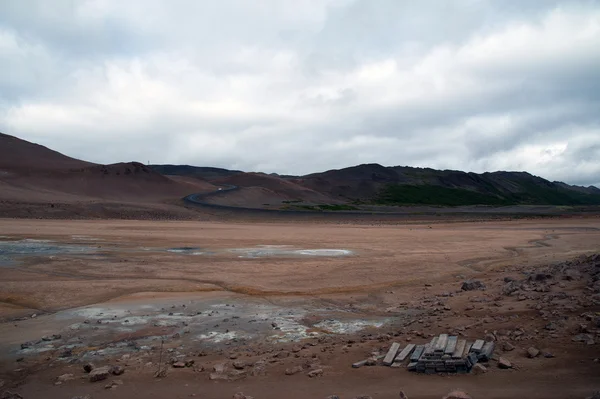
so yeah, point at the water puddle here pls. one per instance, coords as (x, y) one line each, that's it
(262, 251)
(12, 251)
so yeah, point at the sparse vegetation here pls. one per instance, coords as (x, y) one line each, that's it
(531, 194)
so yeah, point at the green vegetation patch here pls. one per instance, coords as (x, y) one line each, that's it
(435, 195)
(530, 194)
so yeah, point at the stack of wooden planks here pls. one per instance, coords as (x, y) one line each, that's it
(444, 354)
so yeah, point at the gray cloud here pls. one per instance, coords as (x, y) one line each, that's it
(299, 87)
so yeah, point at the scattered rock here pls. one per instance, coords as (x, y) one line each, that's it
(457, 395)
(333, 397)
(371, 362)
(116, 370)
(363, 397)
(240, 395)
(572, 274)
(10, 395)
(190, 363)
(66, 353)
(532, 352)
(179, 365)
(315, 373)
(88, 367)
(547, 354)
(28, 344)
(588, 339)
(65, 378)
(472, 285)
(162, 373)
(99, 374)
(595, 395)
(403, 395)
(504, 363)
(82, 397)
(239, 364)
(507, 347)
(114, 384)
(293, 370)
(551, 326)
(479, 369)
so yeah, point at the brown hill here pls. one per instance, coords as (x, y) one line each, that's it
(33, 173)
(21, 155)
(275, 188)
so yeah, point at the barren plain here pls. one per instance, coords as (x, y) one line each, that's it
(258, 307)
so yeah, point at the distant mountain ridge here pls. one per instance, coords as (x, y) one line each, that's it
(31, 171)
(409, 185)
(405, 185)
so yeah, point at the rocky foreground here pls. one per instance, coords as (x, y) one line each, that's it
(533, 315)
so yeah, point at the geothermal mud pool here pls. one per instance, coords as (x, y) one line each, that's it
(141, 322)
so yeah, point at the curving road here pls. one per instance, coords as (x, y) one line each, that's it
(199, 199)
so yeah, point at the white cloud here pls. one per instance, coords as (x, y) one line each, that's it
(310, 85)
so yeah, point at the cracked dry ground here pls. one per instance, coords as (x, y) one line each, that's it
(541, 292)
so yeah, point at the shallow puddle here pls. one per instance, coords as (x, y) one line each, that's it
(12, 251)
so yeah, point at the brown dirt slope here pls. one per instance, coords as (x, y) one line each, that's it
(32, 173)
(278, 188)
(20, 155)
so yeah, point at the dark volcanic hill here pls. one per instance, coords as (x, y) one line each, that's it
(408, 185)
(206, 173)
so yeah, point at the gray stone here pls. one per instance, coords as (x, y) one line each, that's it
(99, 374)
(472, 285)
(293, 370)
(179, 365)
(239, 364)
(507, 346)
(117, 370)
(479, 369)
(403, 395)
(315, 373)
(504, 363)
(532, 352)
(65, 378)
(457, 395)
(588, 339)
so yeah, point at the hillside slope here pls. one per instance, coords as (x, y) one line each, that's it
(407, 185)
(33, 173)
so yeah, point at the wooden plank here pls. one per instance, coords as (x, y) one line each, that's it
(441, 343)
(404, 353)
(416, 355)
(431, 346)
(460, 349)
(467, 349)
(486, 352)
(391, 355)
(478, 346)
(359, 364)
(451, 345)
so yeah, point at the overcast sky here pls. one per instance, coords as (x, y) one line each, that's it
(299, 86)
